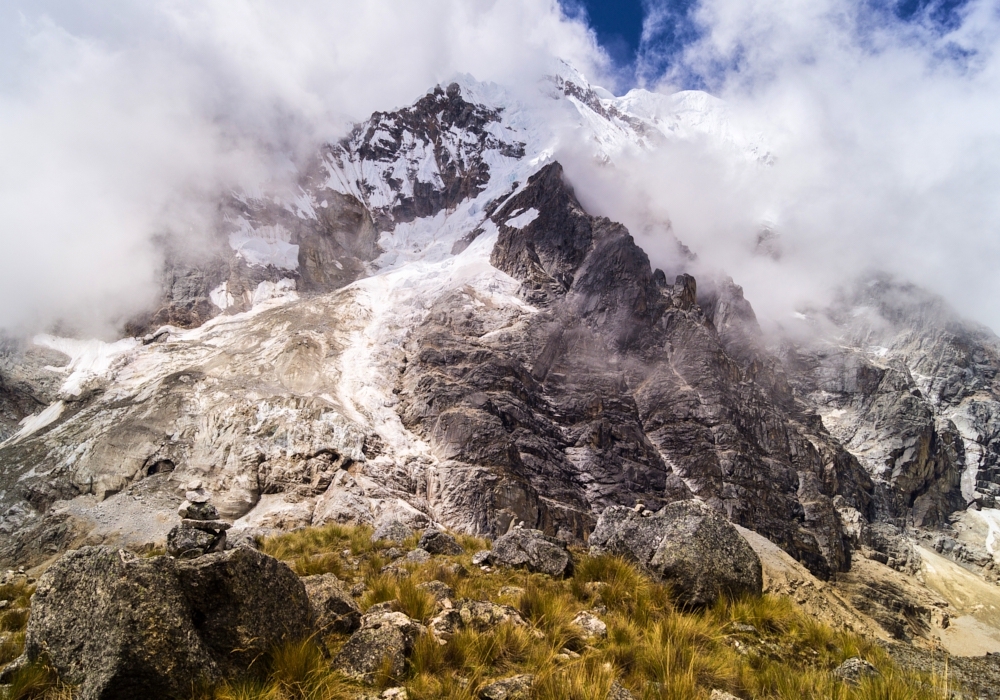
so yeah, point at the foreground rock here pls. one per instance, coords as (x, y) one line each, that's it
(513, 688)
(686, 543)
(532, 550)
(333, 608)
(478, 615)
(855, 670)
(437, 542)
(385, 638)
(121, 626)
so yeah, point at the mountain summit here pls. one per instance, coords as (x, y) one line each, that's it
(433, 329)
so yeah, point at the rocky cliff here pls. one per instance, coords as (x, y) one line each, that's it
(428, 326)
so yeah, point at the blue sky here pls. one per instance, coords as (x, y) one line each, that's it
(619, 28)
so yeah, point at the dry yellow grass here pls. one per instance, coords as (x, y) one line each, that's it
(756, 647)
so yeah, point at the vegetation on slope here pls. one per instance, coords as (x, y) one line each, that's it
(753, 647)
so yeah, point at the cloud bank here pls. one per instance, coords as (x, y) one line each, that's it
(885, 140)
(122, 121)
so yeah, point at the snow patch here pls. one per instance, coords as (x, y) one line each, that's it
(35, 422)
(523, 219)
(221, 297)
(89, 359)
(991, 516)
(272, 290)
(268, 245)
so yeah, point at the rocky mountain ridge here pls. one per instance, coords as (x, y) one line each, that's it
(434, 330)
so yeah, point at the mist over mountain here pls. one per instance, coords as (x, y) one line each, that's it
(878, 131)
(457, 266)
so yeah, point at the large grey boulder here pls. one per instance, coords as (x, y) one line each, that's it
(686, 543)
(384, 638)
(437, 542)
(513, 688)
(532, 550)
(479, 615)
(392, 531)
(334, 610)
(119, 626)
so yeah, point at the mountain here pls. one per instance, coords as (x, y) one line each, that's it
(429, 326)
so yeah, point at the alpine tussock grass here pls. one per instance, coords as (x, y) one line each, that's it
(753, 647)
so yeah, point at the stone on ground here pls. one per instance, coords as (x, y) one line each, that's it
(590, 625)
(532, 550)
(384, 638)
(437, 542)
(121, 626)
(686, 543)
(334, 610)
(854, 670)
(513, 688)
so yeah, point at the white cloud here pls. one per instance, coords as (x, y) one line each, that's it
(886, 148)
(122, 120)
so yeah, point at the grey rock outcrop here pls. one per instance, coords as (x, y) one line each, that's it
(392, 531)
(437, 542)
(384, 638)
(513, 688)
(687, 544)
(333, 608)
(120, 626)
(532, 550)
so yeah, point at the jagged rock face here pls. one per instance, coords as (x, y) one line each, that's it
(911, 390)
(419, 160)
(531, 366)
(616, 389)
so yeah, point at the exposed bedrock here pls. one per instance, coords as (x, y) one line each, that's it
(122, 626)
(615, 387)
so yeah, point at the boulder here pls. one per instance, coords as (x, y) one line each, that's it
(187, 543)
(513, 688)
(333, 608)
(686, 543)
(481, 557)
(392, 531)
(383, 637)
(590, 625)
(121, 626)
(416, 556)
(532, 550)
(854, 670)
(479, 615)
(437, 542)
(618, 692)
